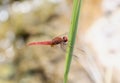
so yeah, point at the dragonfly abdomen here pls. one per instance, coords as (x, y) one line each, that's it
(41, 43)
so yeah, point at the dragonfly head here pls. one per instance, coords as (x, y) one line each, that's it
(65, 39)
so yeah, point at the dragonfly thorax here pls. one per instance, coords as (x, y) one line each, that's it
(57, 40)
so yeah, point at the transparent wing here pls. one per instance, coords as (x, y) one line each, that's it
(64, 34)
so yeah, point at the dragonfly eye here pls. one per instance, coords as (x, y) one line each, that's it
(65, 39)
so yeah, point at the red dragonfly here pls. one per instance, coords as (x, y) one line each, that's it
(55, 41)
(62, 41)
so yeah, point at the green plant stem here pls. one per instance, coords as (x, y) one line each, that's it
(72, 37)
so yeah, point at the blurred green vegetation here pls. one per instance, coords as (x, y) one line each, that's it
(22, 21)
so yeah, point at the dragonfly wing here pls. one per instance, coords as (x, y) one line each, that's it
(64, 34)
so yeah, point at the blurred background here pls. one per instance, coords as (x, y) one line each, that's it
(97, 44)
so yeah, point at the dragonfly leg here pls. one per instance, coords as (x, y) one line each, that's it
(52, 45)
(63, 46)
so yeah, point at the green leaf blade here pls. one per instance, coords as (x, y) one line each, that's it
(72, 37)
